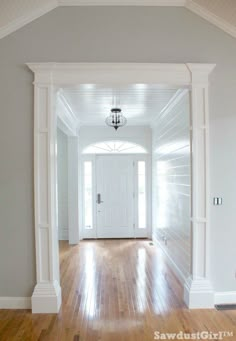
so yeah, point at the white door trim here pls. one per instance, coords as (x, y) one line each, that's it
(138, 233)
(48, 76)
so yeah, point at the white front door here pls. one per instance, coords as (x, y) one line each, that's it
(115, 196)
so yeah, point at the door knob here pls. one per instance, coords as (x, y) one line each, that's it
(99, 201)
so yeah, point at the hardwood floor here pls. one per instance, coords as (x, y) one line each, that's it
(114, 290)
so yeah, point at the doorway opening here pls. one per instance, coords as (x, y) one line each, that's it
(49, 78)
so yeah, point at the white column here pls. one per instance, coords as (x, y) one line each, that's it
(46, 297)
(198, 291)
(73, 189)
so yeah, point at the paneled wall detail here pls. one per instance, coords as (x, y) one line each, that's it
(172, 182)
(47, 292)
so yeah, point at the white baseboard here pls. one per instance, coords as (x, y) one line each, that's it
(198, 293)
(46, 298)
(15, 302)
(227, 297)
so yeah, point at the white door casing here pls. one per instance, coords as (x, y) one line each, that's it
(92, 232)
(49, 76)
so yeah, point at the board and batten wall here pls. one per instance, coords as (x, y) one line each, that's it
(116, 35)
(62, 185)
(171, 183)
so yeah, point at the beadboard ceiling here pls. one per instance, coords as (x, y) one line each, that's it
(17, 13)
(140, 103)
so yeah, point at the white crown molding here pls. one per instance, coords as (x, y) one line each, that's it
(24, 20)
(109, 73)
(67, 121)
(176, 3)
(211, 17)
(15, 302)
(67, 107)
(189, 4)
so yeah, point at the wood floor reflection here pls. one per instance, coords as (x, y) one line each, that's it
(114, 290)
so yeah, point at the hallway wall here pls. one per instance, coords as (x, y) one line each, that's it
(136, 134)
(172, 184)
(62, 185)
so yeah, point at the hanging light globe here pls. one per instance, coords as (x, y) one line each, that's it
(116, 119)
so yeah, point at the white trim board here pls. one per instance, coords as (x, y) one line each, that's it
(67, 121)
(49, 76)
(189, 4)
(227, 297)
(26, 19)
(211, 17)
(166, 3)
(15, 302)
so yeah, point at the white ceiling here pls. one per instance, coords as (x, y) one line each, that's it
(17, 13)
(139, 102)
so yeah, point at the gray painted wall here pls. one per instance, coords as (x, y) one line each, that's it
(62, 185)
(171, 184)
(109, 34)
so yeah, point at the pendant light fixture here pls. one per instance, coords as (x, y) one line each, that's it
(116, 119)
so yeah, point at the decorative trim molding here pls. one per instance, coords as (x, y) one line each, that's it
(24, 20)
(189, 4)
(15, 302)
(225, 297)
(46, 298)
(111, 73)
(211, 17)
(175, 3)
(49, 76)
(67, 120)
(198, 293)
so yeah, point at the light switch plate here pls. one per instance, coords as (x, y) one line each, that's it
(217, 201)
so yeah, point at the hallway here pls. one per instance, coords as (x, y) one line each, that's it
(114, 290)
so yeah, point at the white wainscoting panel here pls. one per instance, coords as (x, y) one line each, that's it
(172, 182)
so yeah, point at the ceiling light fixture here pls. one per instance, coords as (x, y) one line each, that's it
(116, 119)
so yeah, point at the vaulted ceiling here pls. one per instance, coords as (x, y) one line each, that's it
(17, 13)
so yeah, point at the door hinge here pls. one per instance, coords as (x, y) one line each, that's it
(133, 195)
(134, 226)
